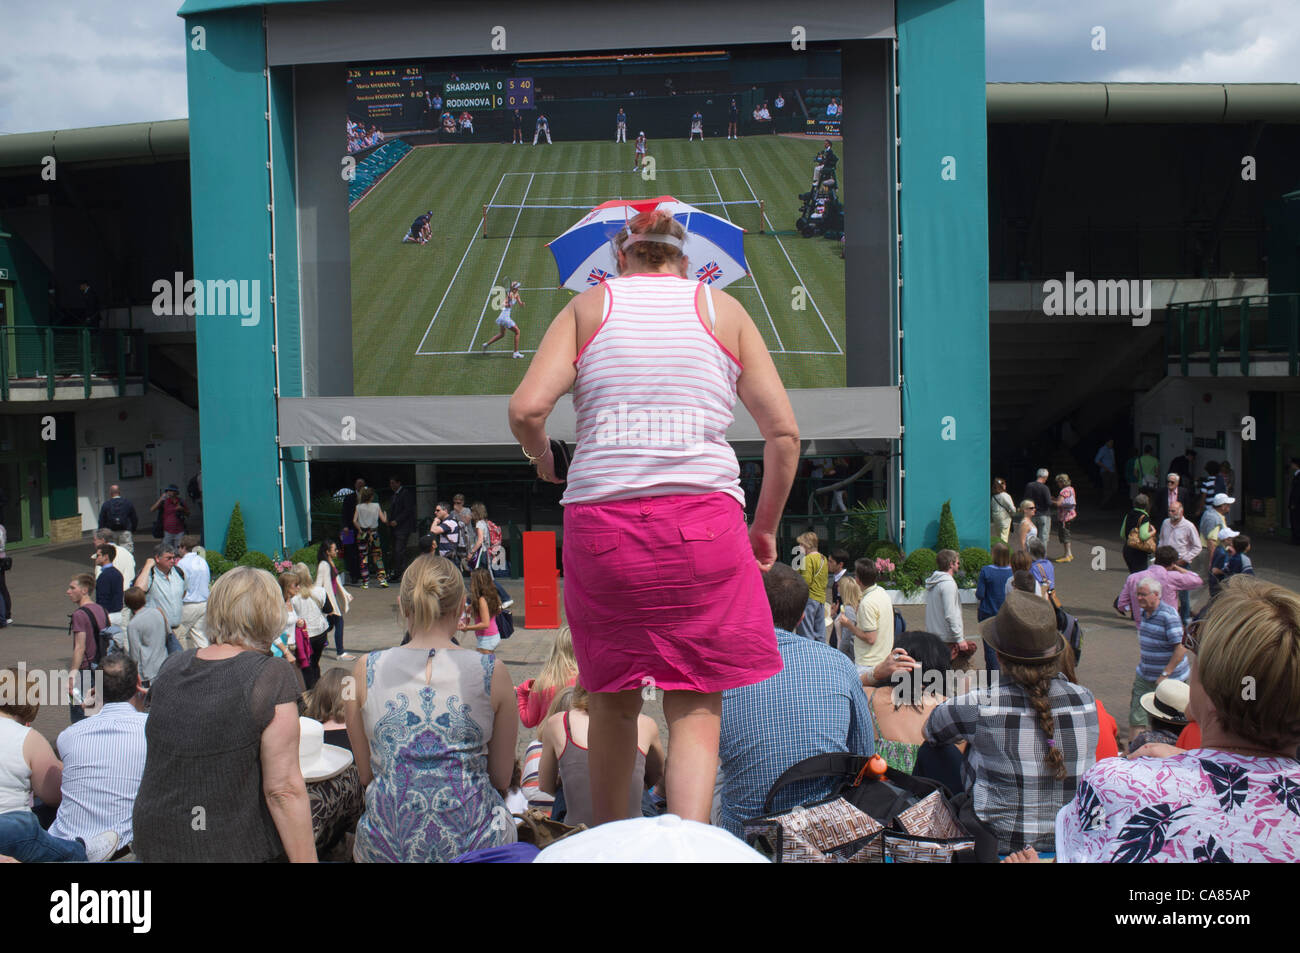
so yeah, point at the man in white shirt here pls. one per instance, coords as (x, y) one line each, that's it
(103, 759)
(1186, 541)
(123, 562)
(194, 604)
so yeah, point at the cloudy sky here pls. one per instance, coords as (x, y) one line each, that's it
(72, 63)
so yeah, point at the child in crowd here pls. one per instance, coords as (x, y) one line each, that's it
(560, 671)
(1238, 561)
(286, 644)
(850, 591)
(485, 605)
(815, 573)
(325, 703)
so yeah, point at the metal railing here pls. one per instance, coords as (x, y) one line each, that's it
(55, 356)
(1242, 328)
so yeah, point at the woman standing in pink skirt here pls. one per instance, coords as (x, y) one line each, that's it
(662, 583)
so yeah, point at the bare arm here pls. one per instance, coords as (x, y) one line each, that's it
(1174, 661)
(142, 580)
(356, 726)
(550, 375)
(283, 786)
(484, 619)
(47, 769)
(505, 729)
(761, 391)
(548, 769)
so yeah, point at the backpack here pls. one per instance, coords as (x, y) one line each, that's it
(98, 644)
(1069, 627)
(494, 538)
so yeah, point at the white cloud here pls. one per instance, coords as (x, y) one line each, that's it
(1175, 41)
(80, 63)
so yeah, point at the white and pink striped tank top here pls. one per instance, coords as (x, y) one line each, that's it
(653, 397)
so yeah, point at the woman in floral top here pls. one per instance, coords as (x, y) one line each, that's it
(1235, 798)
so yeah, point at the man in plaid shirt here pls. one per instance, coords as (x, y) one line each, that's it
(1011, 768)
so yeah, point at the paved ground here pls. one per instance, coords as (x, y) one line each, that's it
(39, 635)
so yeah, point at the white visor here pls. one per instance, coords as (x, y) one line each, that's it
(664, 239)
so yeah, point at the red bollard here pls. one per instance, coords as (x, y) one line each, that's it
(541, 582)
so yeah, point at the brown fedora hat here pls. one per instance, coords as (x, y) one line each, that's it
(1024, 630)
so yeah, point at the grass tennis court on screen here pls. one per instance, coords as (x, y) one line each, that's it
(420, 312)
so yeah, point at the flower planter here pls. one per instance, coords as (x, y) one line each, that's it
(965, 596)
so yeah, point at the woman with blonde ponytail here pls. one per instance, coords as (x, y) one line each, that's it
(432, 724)
(1031, 734)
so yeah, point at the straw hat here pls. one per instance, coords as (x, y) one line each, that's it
(319, 761)
(1024, 630)
(1169, 701)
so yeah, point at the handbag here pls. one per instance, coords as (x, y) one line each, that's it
(6, 563)
(829, 832)
(1135, 540)
(158, 526)
(918, 817)
(539, 830)
(347, 536)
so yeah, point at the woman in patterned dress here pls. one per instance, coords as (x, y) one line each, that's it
(433, 730)
(1234, 798)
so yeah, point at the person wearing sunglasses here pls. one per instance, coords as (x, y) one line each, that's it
(1236, 797)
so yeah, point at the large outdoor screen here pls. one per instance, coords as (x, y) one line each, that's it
(467, 174)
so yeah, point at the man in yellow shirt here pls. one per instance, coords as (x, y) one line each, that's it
(814, 570)
(874, 630)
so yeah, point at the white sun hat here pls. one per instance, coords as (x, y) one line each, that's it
(1221, 498)
(651, 840)
(319, 761)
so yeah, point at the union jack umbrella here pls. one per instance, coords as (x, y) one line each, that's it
(585, 254)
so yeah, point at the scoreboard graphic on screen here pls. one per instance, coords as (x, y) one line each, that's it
(489, 91)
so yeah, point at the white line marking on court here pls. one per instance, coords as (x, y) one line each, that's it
(797, 276)
(488, 299)
(761, 300)
(698, 168)
(478, 227)
(489, 353)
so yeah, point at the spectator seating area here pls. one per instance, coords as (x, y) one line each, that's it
(372, 168)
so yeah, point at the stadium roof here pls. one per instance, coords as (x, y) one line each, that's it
(1007, 103)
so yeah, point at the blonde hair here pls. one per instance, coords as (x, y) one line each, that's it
(432, 590)
(289, 583)
(478, 512)
(246, 608)
(571, 698)
(367, 495)
(305, 577)
(1062, 480)
(561, 666)
(808, 541)
(850, 591)
(325, 700)
(1251, 636)
(654, 254)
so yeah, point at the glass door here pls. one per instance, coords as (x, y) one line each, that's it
(14, 503)
(34, 515)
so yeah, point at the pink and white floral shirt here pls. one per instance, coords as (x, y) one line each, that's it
(1205, 806)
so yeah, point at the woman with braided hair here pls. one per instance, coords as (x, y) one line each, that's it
(1031, 735)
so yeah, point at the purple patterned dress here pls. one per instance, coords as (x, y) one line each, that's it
(431, 799)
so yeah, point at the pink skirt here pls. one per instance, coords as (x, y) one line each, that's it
(664, 591)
